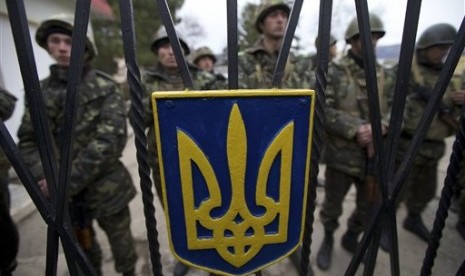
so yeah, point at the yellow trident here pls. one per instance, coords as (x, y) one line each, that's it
(238, 235)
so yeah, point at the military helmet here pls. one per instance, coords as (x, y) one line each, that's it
(63, 23)
(332, 40)
(437, 34)
(162, 36)
(376, 25)
(269, 7)
(202, 52)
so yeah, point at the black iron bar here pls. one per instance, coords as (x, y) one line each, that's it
(286, 45)
(175, 44)
(233, 47)
(137, 119)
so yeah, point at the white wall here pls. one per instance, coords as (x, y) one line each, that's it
(10, 74)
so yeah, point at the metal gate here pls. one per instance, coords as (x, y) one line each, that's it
(53, 211)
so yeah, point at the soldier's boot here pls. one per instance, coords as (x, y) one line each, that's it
(384, 241)
(350, 241)
(131, 272)
(180, 269)
(460, 226)
(323, 259)
(295, 259)
(414, 224)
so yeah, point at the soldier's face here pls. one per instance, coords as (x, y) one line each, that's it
(356, 43)
(59, 47)
(166, 56)
(274, 24)
(205, 63)
(436, 54)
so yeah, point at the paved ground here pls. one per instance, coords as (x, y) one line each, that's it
(33, 240)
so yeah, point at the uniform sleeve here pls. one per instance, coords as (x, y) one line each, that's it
(106, 146)
(338, 122)
(7, 104)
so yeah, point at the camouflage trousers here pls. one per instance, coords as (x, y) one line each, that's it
(337, 185)
(421, 183)
(118, 230)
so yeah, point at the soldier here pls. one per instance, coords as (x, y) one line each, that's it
(349, 145)
(256, 64)
(332, 51)
(420, 186)
(100, 185)
(10, 241)
(459, 99)
(165, 76)
(204, 58)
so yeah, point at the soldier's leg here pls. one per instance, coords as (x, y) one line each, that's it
(118, 230)
(420, 191)
(337, 185)
(94, 253)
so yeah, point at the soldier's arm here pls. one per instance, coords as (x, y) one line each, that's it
(107, 145)
(7, 104)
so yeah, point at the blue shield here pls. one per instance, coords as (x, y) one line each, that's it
(234, 168)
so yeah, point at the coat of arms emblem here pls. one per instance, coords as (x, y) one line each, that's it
(235, 174)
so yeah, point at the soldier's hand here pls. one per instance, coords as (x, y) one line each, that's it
(43, 187)
(364, 135)
(458, 97)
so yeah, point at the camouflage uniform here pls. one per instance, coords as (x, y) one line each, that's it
(9, 233)
(345, 160)
(157, 79)
(420, 186)
(100, 185)
(256, 68)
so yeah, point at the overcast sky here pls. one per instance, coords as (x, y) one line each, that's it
(211, 14)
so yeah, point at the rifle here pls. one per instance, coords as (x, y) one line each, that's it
(445, 113)
(81, 221)
(371, 182)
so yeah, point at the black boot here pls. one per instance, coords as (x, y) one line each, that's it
(131, 272)
(414, 224)
(180, 269)
(350, 241)
(384, 241)
(460, 226)
(323, 259)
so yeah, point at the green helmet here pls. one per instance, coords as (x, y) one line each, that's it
(63, 23)
(376, 25)
(437, 34)
(269, 7)
(332, 40)
(202, 52)
(162, 36)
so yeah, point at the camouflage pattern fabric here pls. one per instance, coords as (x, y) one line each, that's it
(347, 109)
(100, 137)
(9, 243)
(256, 68)
(420, 185)
(157, 79)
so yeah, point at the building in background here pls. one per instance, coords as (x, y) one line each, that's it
(37, 11)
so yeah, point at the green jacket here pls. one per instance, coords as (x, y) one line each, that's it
(347, 109)
(100, 136)
(256, 68)
(7, 105)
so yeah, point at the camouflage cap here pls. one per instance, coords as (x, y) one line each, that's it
(437, 34)
(162, 36)
(202, 52)
(265, 9)
(376, 25)
(63, 23)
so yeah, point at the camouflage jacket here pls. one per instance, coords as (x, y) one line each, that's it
(256, 68)
(7, 105)
(157, 79)
(97, 174)
(421, 84)
(347, 109)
